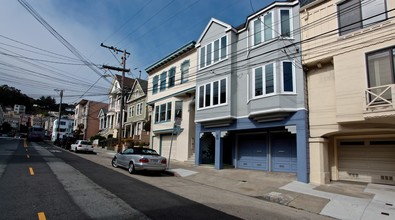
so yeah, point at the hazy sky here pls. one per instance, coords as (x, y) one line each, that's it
(35, 62)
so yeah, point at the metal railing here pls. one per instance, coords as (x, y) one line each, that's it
(382, 97)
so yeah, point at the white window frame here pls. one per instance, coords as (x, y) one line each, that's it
(291, 36)
(139, 109)
(212, 52)
(166, 111)
(264, 94)
(261, 17)
(293, 77)
(212, 94)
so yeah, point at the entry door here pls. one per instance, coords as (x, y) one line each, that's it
(283, 152)
(252, 152)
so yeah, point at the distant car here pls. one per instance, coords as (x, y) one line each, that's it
(81, 145)
(135, 159)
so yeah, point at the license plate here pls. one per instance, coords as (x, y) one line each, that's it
(154, 160)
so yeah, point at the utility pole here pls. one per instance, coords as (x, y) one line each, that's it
(123, 70)
(60, 113)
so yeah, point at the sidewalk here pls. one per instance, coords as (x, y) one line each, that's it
(341, 200)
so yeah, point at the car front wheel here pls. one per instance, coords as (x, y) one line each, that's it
(131, 168)
(114, 162)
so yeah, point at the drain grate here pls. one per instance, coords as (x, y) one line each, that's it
(385, 213)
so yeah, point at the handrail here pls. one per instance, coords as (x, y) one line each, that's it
(380, 96)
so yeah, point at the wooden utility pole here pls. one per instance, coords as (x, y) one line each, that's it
(60, 116)
(123, 70)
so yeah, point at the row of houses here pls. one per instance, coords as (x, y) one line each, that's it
(302, 87)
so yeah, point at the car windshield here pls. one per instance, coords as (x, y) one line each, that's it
(85, 142)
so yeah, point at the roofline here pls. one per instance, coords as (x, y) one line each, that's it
(212, 20)
(311, 4)
(267, 8)
(187, 47)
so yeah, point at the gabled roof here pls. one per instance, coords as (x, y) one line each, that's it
(214, 20)
(143, 84)
(128, 82)
(103, 111)
(186, 48)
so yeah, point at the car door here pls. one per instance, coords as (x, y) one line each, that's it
(123, 157)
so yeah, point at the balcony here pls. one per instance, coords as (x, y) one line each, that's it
(380, 102)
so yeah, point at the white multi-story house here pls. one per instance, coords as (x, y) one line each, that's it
(114, 106)
(19, 109)
(171, 94)
(66, 128)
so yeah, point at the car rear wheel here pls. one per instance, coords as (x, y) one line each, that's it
(114, 162)
(131, 168)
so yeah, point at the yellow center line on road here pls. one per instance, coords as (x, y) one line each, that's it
(31, 171)
(24, 143)
(41, 216)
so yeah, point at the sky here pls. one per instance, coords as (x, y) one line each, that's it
(34, 61)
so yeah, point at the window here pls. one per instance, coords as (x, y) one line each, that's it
(285, 22)
(213, 94)
(178, 110)
(172, 77)
(155, 85)
(132, 111)
(62, 123)
(288, 77)
(184, 71)
(136, 94)
(168, 112)
(213, 52)
(129, 112)
(157, 113)
(163, 81)
(139, 109)
(381, 70)
(264, 80)
(357, 14)
(262, 29)
(163, 112)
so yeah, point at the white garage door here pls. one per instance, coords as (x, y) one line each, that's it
(166, 140)
(370, 160)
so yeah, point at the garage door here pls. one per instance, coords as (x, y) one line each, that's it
(252, 152)
(165, 146)
(367, 160)
(283, 152)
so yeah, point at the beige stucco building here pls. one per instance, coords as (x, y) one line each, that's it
(171, 93)
(348, 54)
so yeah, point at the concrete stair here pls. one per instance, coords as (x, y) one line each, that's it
(191, 159)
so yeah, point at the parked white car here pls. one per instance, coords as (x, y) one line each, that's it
(81, 145)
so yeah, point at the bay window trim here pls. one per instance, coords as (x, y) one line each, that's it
(293, 77)
(202, 87)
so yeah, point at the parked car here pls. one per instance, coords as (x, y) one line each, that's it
(81, 145)
(135, 159)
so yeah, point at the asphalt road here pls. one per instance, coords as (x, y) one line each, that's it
(38, 180)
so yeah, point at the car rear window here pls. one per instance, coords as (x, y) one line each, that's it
(85, 142)
(146, 151)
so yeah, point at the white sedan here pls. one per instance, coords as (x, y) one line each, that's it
(81, 145)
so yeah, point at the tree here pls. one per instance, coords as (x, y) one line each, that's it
(77, 133)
